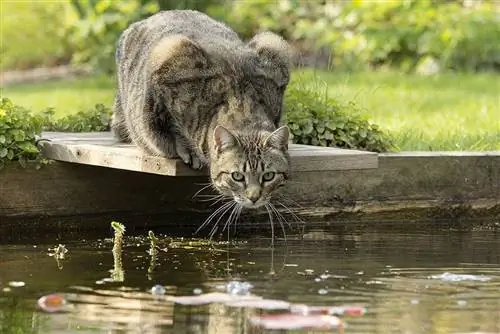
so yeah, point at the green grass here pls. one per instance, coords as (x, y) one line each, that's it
(448, 112)
(66, 96)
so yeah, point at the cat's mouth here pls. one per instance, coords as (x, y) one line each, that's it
(246, 203)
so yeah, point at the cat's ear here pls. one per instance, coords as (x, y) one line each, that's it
(278, 138)
(273, 49)
(223, 138)
(177, 57)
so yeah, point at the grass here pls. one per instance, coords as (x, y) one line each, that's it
(447, 112)
(66, 96)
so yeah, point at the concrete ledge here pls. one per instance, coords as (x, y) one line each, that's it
(409, 186)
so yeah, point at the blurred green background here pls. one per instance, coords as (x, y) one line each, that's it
(405, 34)
(427, 71)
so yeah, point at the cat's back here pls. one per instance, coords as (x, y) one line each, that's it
(196, 25)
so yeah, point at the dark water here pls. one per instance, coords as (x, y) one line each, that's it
(396, 276)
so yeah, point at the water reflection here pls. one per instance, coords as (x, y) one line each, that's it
(396, 276)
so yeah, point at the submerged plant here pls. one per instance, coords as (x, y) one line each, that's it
(117, 274)
(153, 251)
(153, 248)
(119, 232)
(59, 253)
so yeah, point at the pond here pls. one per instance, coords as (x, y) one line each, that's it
(353, 282)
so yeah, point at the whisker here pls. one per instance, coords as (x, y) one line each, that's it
(203, 188)
(220, 199)
(296, 182)
(272, 224)
(272, 272)
(202, 183)
(283, 198)
(213, 198)
(215, 227)
(280, 216)
(291, 212)
(240, 208)
(280, 219)
(212, 216)
(210, 198)
(212, 232)
(228, 221)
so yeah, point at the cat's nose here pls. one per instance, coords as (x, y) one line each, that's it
(253, 195)
(253, 198)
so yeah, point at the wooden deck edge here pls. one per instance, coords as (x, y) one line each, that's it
(146, 164)
(82, 148)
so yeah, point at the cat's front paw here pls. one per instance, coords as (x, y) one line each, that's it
(189, 157)
(195, 162)
(192, 160)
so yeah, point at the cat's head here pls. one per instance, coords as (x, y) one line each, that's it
(249, 167)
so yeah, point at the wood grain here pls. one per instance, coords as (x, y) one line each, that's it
(101, 149)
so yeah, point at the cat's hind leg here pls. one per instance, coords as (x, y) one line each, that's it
(154, 138)
(118, 125)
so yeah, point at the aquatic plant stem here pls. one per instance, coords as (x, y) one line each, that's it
(118, 274)
(153, 251)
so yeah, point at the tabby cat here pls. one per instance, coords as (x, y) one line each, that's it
(188, 87)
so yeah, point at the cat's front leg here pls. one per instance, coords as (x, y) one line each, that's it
(188, 154)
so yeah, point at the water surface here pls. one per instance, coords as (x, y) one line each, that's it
(407, 282)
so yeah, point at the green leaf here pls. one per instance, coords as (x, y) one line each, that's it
(328, 135)
(3, 152)
(307, 128)
(19, 136)
(28, 147)
(320, 127)
(10, 154)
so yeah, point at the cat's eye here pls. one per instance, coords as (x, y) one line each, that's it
(268, 176)
(237, 176)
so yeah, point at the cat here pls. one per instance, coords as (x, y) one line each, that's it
(190, 88)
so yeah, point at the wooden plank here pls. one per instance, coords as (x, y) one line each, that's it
(101, 149)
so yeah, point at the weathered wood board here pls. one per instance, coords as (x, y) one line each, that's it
(101, 149)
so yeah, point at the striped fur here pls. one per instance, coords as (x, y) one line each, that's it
(181, 75)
